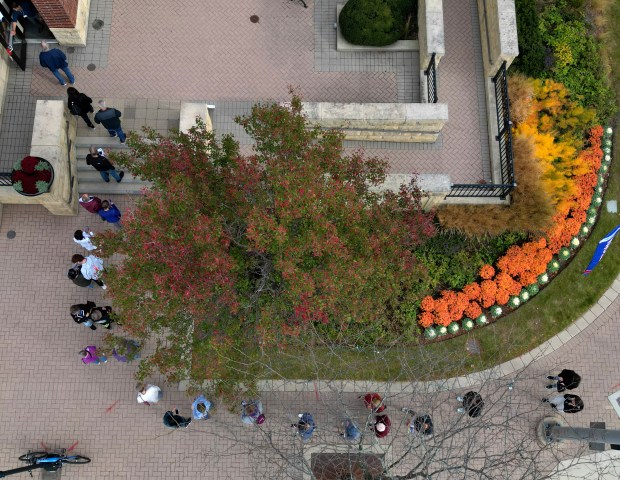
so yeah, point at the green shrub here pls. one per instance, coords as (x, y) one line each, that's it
(374, 23)
(531, 59)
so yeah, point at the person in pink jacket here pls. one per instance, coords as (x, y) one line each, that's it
(89, 355)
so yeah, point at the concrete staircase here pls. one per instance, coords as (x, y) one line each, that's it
(89, 179)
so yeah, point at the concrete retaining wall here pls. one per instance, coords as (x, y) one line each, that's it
(498, 33)
(53, 133)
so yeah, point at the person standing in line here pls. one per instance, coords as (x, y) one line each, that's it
(374, 402)
(109, 118)
(565, 380)
(382, 425)
(200, 408)
(81, 313)
(566, 403)
(419, 423)
(90, 202)
(80, 104)
(55, 60)
(351, 431)
(100, 162)
(305, 426)
(110, 213)
(75, 275)
(149, 394)
(101, 316)
(83, 239)
(472, 404)
(252, 412)
(91, 267)
(174, 420)
(89, 355)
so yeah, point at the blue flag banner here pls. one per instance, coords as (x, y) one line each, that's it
(602, 247)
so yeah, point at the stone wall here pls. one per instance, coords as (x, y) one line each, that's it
(5, 65)
(430, 31)
(387, 122)
(189, 112)
(66, 19)
(52, 136)
(498, 33)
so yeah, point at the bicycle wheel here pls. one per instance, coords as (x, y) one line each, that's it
(76, 459)
(32, 457)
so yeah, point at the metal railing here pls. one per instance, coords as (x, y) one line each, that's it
(431, 80)
(5, 179)
(504, 138)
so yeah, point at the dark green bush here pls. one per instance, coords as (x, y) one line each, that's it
(375, 23)
(531, 59)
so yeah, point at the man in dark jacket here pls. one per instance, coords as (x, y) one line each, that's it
(566, 380)
(97, 159)
(109, 118)
(566, 403)
(55, 59)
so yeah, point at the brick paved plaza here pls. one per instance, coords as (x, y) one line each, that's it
(150, 56)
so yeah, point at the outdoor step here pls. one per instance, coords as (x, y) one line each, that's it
(103, 142)
(102, 189)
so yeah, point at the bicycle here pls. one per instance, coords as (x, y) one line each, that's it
(50, 461)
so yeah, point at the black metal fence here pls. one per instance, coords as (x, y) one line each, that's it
(504, 138)
(5, 179)
(431, 80)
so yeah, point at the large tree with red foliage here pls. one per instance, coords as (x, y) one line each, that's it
(236, 251)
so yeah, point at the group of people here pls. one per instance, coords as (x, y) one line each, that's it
(566, 403)
(151, 394)
(107, 211)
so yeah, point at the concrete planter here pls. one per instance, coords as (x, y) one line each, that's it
(24, 182)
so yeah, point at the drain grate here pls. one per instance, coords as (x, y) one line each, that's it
(10, 234)
(91, 67)
(98, 24)
(254, 19)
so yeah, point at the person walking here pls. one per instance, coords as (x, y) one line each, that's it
(81, 313)
(351, 431)
(55, 60)
(565, 380)
(91, 267)
(101, 316)
(75, 275)
(80, 105)
(89, 355)
(110, 213)
(90, 202)
(149, 394)
(472, 404)
(566, 403)
(174, 420)
(109, 118)
(83, 239)
(252, 412)
(305, 426)
(100, 162)
(422, 424)
(374, 402)
(382, 426)
(200, 408)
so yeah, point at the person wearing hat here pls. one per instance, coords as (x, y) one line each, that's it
(305, 426)
(252, 412)
(382, 426)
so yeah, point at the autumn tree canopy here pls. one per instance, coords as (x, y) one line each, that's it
(237, 251)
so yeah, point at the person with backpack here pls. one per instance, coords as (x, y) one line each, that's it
(81, 313)
(252, 412)
(75, 275)
(89, 355)
(80, 105)
(174, 420)
(421, 424)
(91, 268)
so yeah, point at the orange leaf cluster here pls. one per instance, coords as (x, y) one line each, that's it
(487, 272)
(526, 262)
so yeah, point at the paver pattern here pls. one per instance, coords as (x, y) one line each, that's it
(151, 55)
